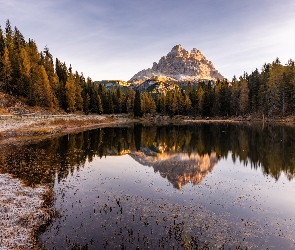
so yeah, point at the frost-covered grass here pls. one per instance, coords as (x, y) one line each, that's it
(18, 126)
(21, 213)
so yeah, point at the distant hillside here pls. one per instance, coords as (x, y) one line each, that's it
(113, 83)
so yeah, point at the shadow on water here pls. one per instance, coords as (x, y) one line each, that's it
(129, 187)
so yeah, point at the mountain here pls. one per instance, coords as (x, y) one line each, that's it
(179, 65)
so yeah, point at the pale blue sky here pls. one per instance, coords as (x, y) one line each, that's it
(114, 39)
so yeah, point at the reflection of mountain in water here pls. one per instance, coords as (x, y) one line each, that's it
(178, 168)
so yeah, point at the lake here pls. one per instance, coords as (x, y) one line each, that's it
(200, 186)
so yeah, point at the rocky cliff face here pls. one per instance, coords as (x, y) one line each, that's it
(180, 65)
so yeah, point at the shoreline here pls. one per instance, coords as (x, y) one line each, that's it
(18, 128)
(13, 128)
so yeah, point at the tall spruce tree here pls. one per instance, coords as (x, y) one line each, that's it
(273, 88)
(2, 42)
(70, 93)
(244, 96)
(137, 104)
(6, 70)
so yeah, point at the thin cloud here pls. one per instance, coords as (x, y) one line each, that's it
(111, 39)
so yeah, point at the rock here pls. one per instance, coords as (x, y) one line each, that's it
(179, 65)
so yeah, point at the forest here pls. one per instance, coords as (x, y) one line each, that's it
(39, 80)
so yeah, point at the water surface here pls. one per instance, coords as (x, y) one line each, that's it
(181, 187)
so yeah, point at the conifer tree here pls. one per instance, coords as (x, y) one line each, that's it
(6, 70)
(200, 94)
(137, 104)
(273, 87)
(225, 97)
(148, 104)
(78, 92)
(130, 95)
(145, 103)
(216, 109)
(49, 67)
(70, 93)
(288, 86)
(187, 104)
(174, 105)
(99, 104)
(254, 83)
(118, 100)
(18, 42)
(244, 95)
(86, 103)
(2, 46)
(62, 73)
(263, 89)
(235, 93)
(168, 102)
(162, 104)
(25, 73)
(8, 35)
(208, 100)
(2, 43)
(47, 97)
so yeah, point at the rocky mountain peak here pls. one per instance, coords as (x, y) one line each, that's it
(177, 48)
(180, 65)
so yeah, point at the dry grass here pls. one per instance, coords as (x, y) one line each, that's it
(32, 131)
(55, 125)
(76, 122)
(37, 126)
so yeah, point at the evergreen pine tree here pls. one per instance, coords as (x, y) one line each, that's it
(99, 104)
(137, 104)
(25, 73)
(6, 71)
(70, 93)
(2, 43)
(130, 95)
(244, 96)
(273, 87)
(78, 92)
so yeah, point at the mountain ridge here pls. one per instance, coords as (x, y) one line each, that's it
(179, 65)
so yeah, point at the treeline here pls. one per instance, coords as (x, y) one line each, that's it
(34, 76)
(270, 92)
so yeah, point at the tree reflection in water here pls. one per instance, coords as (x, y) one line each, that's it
(181, 154)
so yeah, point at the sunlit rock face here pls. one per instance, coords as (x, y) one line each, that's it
(179, 65)
(178, 168)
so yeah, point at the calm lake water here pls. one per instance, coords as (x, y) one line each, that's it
(206, 186)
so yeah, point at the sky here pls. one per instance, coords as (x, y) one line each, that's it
(114, 39)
